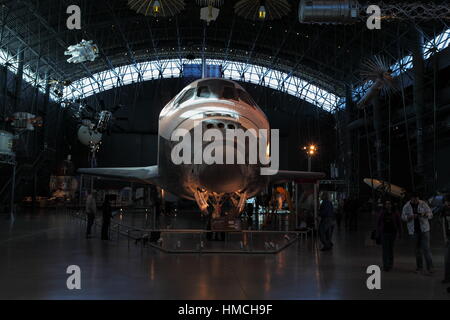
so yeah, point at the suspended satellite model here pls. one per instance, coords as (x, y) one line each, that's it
(209, 14)
(7, 147)
(210, 11)
(89, 137)
(82, 52)
(328, 12)
(354, 11)
(377, 73)
(104, 118)
(93, 123)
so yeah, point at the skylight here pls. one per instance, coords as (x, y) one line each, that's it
(172, 68)
(29, 76)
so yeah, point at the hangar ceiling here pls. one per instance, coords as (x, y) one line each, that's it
(328, 56)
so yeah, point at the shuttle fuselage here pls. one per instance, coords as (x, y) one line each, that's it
(214, 107)
(211, 104)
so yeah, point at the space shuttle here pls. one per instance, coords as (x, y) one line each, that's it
(222, 106)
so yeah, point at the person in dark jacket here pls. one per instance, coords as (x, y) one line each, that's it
(91, 210)
(327, 221)
(388, 227)
(107, 215)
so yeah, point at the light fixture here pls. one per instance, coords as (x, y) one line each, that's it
(262, 12)
(311, 150)
(156, 7)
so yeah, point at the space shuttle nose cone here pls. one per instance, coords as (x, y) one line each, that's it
(222, 178)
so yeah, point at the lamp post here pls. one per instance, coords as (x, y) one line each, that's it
(311, 151)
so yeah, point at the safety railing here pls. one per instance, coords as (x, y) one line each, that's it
(205, 241)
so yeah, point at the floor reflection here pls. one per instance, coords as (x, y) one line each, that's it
(36, 250)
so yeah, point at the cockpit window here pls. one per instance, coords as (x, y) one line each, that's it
(215, 82)
(216, 89)
(245, 97)
(189, 94)
(203, 92)
(229, 93)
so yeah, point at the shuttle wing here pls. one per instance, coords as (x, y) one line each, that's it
(135, 174)
(284, 176)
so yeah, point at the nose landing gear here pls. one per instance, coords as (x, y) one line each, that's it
(215, 200)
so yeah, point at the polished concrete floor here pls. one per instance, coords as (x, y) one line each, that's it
(36, 250)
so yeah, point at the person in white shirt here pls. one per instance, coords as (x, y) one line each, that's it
(91, 210)
(417, 214)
